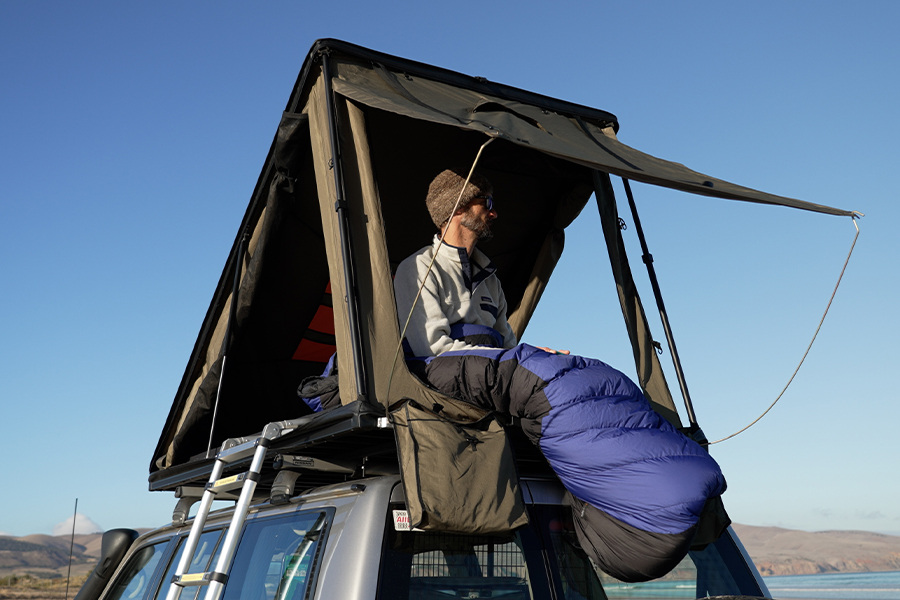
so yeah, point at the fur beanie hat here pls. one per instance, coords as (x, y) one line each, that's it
(444, 190)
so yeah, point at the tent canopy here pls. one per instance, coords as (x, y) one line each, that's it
(397, 123)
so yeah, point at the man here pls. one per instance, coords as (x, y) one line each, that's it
(462, 303)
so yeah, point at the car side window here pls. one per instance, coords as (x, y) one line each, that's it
(427, 564)
(134, 580)
(716, 570)
(208, 547)
(276, 558)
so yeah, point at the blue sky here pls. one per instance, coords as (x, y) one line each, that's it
(131, 137)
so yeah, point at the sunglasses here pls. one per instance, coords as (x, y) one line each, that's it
(488, 202)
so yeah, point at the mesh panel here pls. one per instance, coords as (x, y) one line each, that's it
(478, 559)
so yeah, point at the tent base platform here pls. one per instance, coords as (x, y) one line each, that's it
(349, 442)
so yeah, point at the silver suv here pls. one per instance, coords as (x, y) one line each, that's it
(351, 539)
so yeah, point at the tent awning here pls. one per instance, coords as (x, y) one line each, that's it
(567, 131)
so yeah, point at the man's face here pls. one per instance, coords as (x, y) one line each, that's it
(477, 218)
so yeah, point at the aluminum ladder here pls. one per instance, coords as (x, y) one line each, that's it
(230, 452)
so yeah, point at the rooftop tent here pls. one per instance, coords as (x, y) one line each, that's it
(317, 246)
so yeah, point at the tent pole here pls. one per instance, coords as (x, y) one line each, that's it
(663, 315)
(226, 343)
(340, 207)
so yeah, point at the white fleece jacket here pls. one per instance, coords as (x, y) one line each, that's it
(459, 289)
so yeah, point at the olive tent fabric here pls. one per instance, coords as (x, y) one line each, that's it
(457, 468)
(397, 123)
(567, 136)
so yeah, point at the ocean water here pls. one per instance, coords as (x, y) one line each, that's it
(837, 586)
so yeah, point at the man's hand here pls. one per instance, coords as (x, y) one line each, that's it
(546, 349)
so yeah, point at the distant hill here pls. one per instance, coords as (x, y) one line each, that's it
(775, 551)
(47, 555)
(778, 551)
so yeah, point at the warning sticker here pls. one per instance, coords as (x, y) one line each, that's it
(401, 520)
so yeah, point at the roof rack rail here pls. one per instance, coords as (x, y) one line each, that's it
(348, 442)
(355, 430)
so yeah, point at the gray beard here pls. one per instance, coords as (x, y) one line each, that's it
(479, 227)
